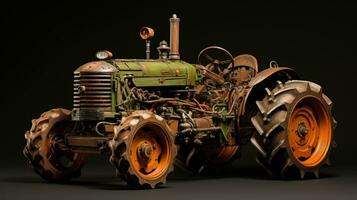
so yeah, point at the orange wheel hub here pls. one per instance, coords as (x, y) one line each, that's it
(309, 131)
(150, 152)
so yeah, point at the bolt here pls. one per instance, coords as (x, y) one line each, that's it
(145, 150)
(302, 130)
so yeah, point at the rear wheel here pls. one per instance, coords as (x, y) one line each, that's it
(143, 149)
(42, 151)
(294, 129)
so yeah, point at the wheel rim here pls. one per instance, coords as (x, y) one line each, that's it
(150, 152)
(221, 155)
(309, 132)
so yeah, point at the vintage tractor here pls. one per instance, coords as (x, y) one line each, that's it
(145, 113)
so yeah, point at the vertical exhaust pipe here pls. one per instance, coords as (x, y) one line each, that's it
(174, 37)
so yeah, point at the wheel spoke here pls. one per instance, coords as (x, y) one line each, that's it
(225, 62)
(210, 66)
(209, 58)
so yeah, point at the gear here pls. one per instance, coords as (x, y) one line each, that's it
(294, 129)
(42, 152)
(143, 149)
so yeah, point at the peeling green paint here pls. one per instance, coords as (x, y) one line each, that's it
(154, 73)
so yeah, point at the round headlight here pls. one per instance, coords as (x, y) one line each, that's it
(104, 54)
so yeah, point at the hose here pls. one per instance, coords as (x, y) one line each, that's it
(103, 123)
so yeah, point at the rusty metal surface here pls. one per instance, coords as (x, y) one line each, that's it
(134, 150)
(270, 71)
(43, 150)
(96, 67)
(275, 119)
(86, 141)
(244, 68)
(174, 38)
(146, 33)
(203, 122)
(92, 88)
(213, 76)
(142, 110)
(246, 60)
(264, 75)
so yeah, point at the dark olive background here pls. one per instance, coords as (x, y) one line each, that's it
(42, 43)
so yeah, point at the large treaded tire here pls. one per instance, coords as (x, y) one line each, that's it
(292, 102)
(41, 152)
(143, 127)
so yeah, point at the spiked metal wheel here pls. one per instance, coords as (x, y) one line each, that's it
(143, 149)
(42, 151)
(294, 129)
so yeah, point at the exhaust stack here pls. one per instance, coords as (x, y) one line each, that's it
(174, 37)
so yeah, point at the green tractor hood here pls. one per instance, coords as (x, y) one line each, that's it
(156, 73)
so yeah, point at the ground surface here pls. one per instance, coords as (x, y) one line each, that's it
(245, 182)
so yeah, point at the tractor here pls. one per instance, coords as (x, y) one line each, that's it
(146, 113)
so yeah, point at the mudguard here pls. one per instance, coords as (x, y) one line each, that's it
(262, 79)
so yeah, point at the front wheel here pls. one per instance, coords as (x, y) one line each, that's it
(42, 151)
(143, 149)
(294, 129)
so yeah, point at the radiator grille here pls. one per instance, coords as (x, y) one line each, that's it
(92, 91)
